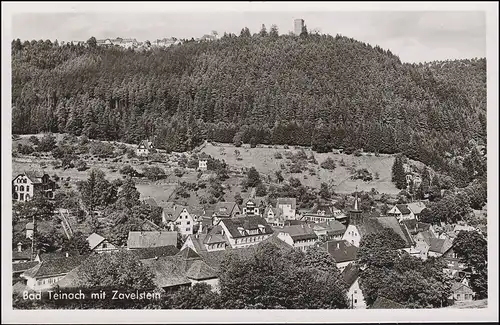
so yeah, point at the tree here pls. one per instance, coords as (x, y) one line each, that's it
(128, 196)
(119, 271)
(261, 190)
(238, 199)
(324, 191)
(77, 243)
(154, 173)
(237, 140)
(253, 177)
(328, 164)
(198, 296)
(427, 216)
(47, 143)
(92, 42)
(273, 32)
(379, 248)
(96, 191)
(129, 171)
(279, 176)
(39, 207)
(398, 173)
(263, 31)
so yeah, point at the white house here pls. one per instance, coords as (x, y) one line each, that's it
(213, 241)
(46, 273)
(202, 164)
(178, 217)
(251, 208)
(298, 236)
(287, 207)
(99, 244)
(24, 186)
(401, 212)
(354, 294)
(144, 148)
(245, 231)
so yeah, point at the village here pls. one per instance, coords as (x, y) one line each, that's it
(187, 243)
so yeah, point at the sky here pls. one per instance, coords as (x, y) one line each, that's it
(415, 36)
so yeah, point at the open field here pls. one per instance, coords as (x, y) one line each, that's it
(483, 303)
(263, 159)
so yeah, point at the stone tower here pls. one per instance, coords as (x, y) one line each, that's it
(355, 214)
(298, 25)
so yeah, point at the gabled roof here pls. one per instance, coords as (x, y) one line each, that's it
(152, 252)
(144, 144)
(384, 303)
(22, 255)
(333, 227)
(30, 226)
(94, 240)
(440, 245)
(247, 223)
(392, 222)
(199, 270)
(145, 239)
(167, 271)
(225, 207)
(23, 266)
(287, 200)
(351, 273)
(416, 207)
(49, 268)
(403, 208)
(341, 250)
(298, 232)
(459, 285)
(172, 213)
(34, 177)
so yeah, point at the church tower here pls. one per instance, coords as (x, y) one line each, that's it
(355, 214)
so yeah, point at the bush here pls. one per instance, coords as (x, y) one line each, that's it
(102, 150)
(178, 172)
(295, 169)
(47, 144)
(128, 170)
(278, 155)
(25, 150)
(154, 173)
(362, 174)
(81, 165)
(328, 164)
(357, 153)
(261, 190)
(34, 140)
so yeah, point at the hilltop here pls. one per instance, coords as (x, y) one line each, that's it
(314, 90)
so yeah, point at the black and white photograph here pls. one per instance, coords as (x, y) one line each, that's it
(252, 161)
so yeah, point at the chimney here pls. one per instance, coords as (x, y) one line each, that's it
(19, 247)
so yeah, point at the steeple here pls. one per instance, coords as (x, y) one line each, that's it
(356, 203)
(355, 215)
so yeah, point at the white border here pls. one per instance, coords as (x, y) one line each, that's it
(252, 316)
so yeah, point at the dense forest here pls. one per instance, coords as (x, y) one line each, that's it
(316, 90)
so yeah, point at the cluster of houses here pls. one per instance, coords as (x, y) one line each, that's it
(209, 233)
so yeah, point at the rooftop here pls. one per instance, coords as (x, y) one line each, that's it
(145, 239)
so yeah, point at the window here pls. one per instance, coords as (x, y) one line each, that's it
(104, 245)
(15, 187)
(188, 229)
(355, 291)
(27, 197)
(21, 196)
(189, 222)
(355, 301)
(27, 187)
(21, 188)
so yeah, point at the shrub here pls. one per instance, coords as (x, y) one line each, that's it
(34, 140)
(25, 150)
(81, 165)
(295, 168)
(178, 172)
(278, 155)
(357, 153)
(328, 164)
(362, 174)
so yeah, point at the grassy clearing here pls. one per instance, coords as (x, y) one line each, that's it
(263, 159)
(483, 303)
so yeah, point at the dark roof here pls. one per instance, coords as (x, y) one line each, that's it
(23, 266)
(247, 223)
(333, 227)
(351, 273)
(298, 232)
(145, 239)
(188, 253)
(34, 177)
(384, 303)
(173, 212)
(152, 252)
(22, 255)
(167, 271)
(341, 250)
(403, 208)
(54, 267)
(225, 207)
(438, 245)
(392, 222)
(56, 255)
(201, 271)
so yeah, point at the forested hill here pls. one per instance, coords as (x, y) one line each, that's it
(311, 90)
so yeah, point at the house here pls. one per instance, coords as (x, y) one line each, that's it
(45, 274)
(401, 212)
(384, 303)
(321, 213)
(145, 147)
(300, 236)
(212, 241)
(251, 207)
(430, 246)
(20, 256)
(202, 164)
(154, 252)
(225, 210)
(350, 274)
(24, 186)
(19, 268)
(287, 207)
(369, 224)
(329, 230)
(147, 239)
(274, 216)
(99, 244)
(178, 218)
(454, 265)
(415, 227)
(461, 292)
(343, 252)
(416, 207)
(29, 230)
(181, 270)
(245, 231)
